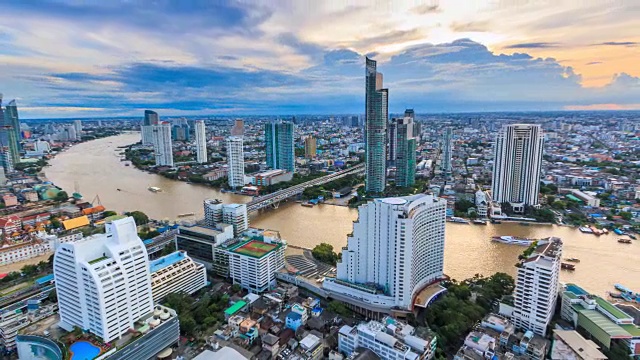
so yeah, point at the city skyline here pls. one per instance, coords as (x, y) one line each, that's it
(66, 59)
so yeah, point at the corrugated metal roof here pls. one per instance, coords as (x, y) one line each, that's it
(76, 222)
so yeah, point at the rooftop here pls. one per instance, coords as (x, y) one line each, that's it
(75, 222)
(255, 248)
(235, 307)
(614, 311)
(576, 289)
(604, 323)
(166, 261)
(573, 342)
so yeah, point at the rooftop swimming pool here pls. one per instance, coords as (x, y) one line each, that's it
(83, 350)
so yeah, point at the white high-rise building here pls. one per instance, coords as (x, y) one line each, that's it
(162, 145)
(215, 212)
(176, 273)
(146, 134)
(397, 244)
(253, 264)
(103, 281)
(517, 165)
(77, 124)
(235, 161)
(537, 287)
(201, 142)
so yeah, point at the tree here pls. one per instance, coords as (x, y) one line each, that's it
(29, 270)
(139, 217)
(187, 324)
(236, 288)
(55, 223)
(339, 308)
(169, 248)
(625, 215)
(61, 196)
(110, 213)
(463, 205)
(53, 296)
(324, 253)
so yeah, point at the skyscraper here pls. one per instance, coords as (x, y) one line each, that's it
(406, 153)
(279, 145)
(310, 150)
(235, 161)
(376, 112)
(392, 138)
(181, 132)
(537, 287)
(215, 212)
(12, 119)
(410, 113)
(10, 142)
(201, 142)
(446, 151)
(103, 282)
(77, 124)
(162, 145)
(151, 118)
(238, 128)
(517, 164)
(396, 248)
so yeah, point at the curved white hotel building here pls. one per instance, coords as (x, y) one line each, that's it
(396, 248)
(176, 273)
(103, 281)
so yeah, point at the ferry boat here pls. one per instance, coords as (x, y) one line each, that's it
(624, 241)
(585, 230)
(458, 220)
(631, 236)
(480, 222)
(514, 240)
(154, 189)
(566, 266)
(621, 288)
(618, 231)
(575, 260)
(186, 214)
(494, 221)
(596, 231)
(307, 204)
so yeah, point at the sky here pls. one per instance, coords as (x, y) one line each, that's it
(73, 58)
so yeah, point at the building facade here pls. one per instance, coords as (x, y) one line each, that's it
(447, 144)
(12, 119)
(405, 153)
(253, 264)
(396, 248)
(376, 115)
(517, 165)
(279, 146)
(150, 118)
(162, 144)
(176, 273)
(537, 287)
(238, 128)
(201, 142)
(235, 161)
(310, 148)
(103, 282)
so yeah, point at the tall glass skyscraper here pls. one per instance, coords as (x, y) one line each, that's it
(376, 112)
(151, 118)
(405, 153)
(279, 147)
(11, 118)
(446, 151)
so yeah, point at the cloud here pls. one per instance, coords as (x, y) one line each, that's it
(472, 26)
(594, 63)
(533, 45)
(426, 9)
(618, 43)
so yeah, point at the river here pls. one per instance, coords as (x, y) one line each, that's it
(95, 169)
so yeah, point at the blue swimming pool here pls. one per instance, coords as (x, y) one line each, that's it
(83, 350)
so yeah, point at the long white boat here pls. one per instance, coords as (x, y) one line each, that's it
(514, 240)
(585, 229)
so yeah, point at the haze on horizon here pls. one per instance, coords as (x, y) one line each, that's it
(65, 58)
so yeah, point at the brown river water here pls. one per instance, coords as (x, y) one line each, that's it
(95, 169)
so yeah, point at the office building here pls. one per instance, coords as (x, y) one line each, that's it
(12, 119)
(396, 249)
(180, 132)
(212, 212)
(235, 161)
(376, 115)
(7, 132)
(238, 128)
(355, 122)
(146, 134)
(201, 142)
(517, 165)
(537, 287)
(392, 139)
(176, 273)
(310, 151)
(199, 241)
(446, 151)
(5, 159)
(279, 145)
(77, 125)
(405, 153)
(253, 263)
(216, 213)
(103, 282)
(410, 114)
(389, 339)
(150, 118)
(162, 144)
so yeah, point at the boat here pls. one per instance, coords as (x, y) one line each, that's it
(566, 266)
(618, 231)
(624, 241)
(480, 222)
(514, 240)
(458, 220)
(494, 221)
(119, 189)
(575, 260)
(585, 230)
(631, 236)
(596, 231)
(186, 214)
(154, 189)
(524, 224)
(615, 295)
(127, 164)
(306, 204)
(621, 288)
(605, 230)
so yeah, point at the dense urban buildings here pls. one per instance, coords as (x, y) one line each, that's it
(396, 248)
(405, 149)
(537, 287)
(310, 149)
(279, 145)
(235, 161)
(201, 142)
(446, 151)
(162, 144)
(175, 273)
(103, 282)
(238, 128)
(392, 136)
(376, 117)
(517, 165)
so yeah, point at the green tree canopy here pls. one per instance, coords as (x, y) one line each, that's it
(324, 252)
(139, 217)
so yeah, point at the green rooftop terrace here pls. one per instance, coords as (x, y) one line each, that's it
(608, 307)
(255, 248)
